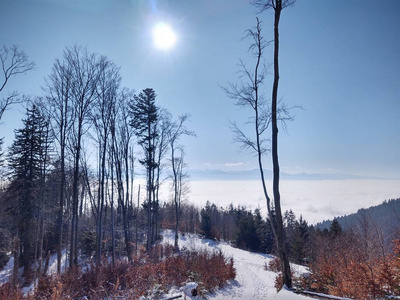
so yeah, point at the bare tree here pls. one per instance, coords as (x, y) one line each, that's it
(277, 6)
(102, 116)
(122, 134)
(13, 62)
(84, 75)
(177, 130)
(58, 105)
(163, 128)
(248, 94)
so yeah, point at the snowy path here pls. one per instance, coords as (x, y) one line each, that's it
(252, 281)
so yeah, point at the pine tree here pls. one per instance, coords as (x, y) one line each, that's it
(246, 237)
(26, 158)
(144, 122)
(205, 222)
(335, 229)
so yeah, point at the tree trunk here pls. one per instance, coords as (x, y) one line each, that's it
(149, 190)
(112, 211)
(137, 221)
(122, 204)
(75, 200)
(61, 209)
(16, 263)
(176, 203)
(281, 240)
(100, 205)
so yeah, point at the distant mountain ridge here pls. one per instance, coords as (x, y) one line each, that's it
(210, 174)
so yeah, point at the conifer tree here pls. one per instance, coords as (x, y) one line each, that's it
(206, 222)
(26, 158)
(144, 122)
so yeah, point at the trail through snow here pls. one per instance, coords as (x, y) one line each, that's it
(252, 281)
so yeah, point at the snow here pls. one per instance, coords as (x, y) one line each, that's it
(324, 296)
(6, 273)
(53, 263)
(286, 294)
(252, 281)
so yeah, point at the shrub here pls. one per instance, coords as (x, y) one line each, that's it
(343, 269)
(154, 273)
(7, 291)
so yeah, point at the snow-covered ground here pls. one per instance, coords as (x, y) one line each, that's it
(252, 281)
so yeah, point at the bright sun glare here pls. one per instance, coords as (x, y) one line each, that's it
(164, 37)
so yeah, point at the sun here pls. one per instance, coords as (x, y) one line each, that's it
(164, 36)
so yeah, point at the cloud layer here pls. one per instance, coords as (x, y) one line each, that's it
(315, 200)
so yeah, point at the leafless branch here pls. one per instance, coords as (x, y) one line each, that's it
(13, 62)
(263, 5)
(284, 114)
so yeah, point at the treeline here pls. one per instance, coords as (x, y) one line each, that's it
(249, 230)
(68, 177)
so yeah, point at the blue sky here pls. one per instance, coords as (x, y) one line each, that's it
(339, 60)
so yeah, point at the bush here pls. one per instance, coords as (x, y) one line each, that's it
(156, 272)
(7, 291)
(341, 268)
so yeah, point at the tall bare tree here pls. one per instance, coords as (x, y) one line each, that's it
(176, 131)
(163, 127)
(122, 134)
(248, 94)
(102, 116)
(85, 76)
(277, 6)
(58, 105)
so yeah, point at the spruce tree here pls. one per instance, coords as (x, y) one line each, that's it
(144, 122)
(26, 156)
(206, 221)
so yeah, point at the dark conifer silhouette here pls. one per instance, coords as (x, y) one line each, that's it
(26, 157)
(144, 120)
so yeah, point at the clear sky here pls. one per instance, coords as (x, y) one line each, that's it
(340, 60)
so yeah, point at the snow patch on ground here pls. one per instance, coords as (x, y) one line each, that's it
(6, 273)
(53, 263)
(286, 294)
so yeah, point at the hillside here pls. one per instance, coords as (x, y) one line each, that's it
(385, 217)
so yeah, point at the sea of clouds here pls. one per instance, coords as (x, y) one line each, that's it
(315, 200)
